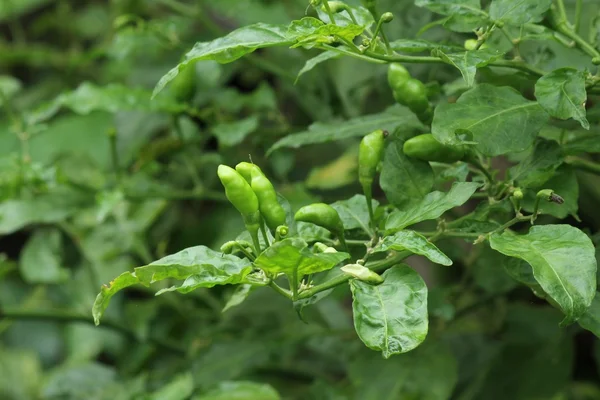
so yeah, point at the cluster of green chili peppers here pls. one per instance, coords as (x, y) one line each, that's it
(409, 92)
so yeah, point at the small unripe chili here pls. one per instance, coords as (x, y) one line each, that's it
(425, 147)
(272, 212)
(323, 215)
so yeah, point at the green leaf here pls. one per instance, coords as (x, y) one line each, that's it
(354, 212)
(362, 16)
(415, 243)
(199, 266)
(309, 32)
(14, 9)
(420, 45)
(590, 320)
(563, 262)
(432, 206)
(429, 372)
(532, 346)
(391, 317)
(451, 7)
(564, 183)
(404, 180)
(112, 98)
(488, 272)
(583, 144)
(9, 86)
(562, 94)
(313, 62)
(292, 255)
(463, 15)
(233, 133)
(46, 208)
(241, 390)
(21, 374)
(539, 166)
(41, 258)
(336, 130)
(518, 12)
(498, 119)
(467, 62)
(240, 293)
(231, 47)
(180, 388)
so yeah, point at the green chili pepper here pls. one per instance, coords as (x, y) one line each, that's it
(397, 75)
(184, 84)
(240, 194)
(362, 273)
(369, 156)
(412, 94)
(245, 169)
(425, 147)
(335, 6)
(323, 215)
(271, 210)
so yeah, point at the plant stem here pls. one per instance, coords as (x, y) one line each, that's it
(517, 219)
(564, 27)
(338, 280)
(578, 7)
(450, 234)
(280, 290)
(328, 10)
(71, 316)
(584, 165)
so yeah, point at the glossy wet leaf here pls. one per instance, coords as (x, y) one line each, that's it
(432, 206)
(498, 119)
(391, 317)
(240, 390)
(563, 261)
(415, 243)
(292, 254)
(354, 212)
(518, 12)
(467, 62)
(199, 266)
(562, 94)
(404, 180)
(356, 127)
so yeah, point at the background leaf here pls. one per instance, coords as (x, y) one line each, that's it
(404, 180)
(498, 119)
